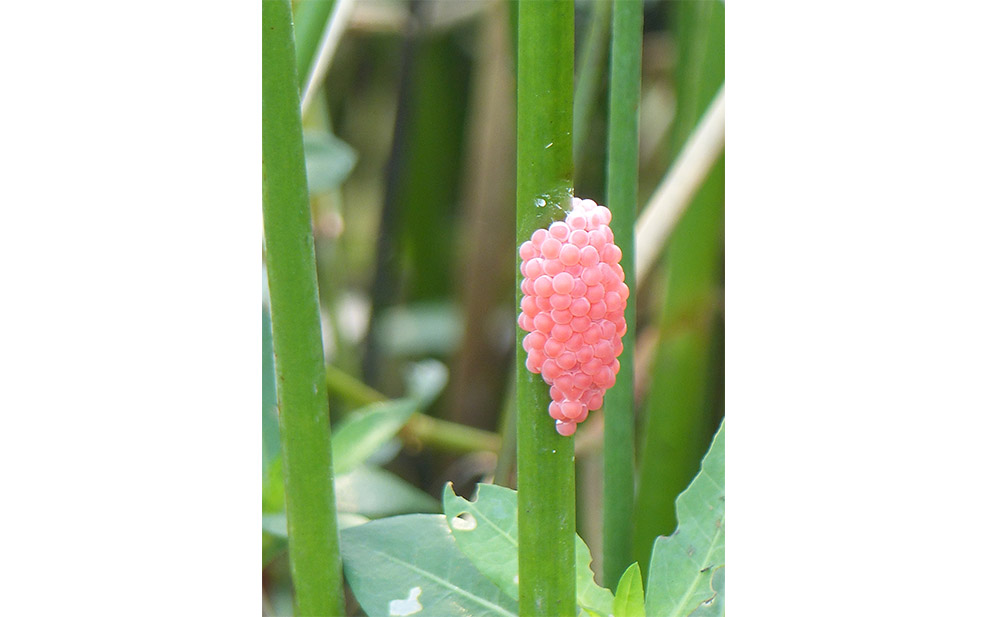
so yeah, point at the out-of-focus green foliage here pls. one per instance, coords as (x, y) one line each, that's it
(685, 403)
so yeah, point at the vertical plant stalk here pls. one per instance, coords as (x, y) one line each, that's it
(685, 401)
(313, 538)
(546, 482)
(311, 21)
(622, 198)
(590, 64)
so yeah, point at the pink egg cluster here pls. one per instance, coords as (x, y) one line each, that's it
(573, 309)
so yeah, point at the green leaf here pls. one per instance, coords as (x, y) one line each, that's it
(425, 380)
(364, 431)
(270, 436)
(420, 329)
(683, 564)
(376, 493)
(488, 536)
(277, 524)
(273, 489)
(410, 564)
(328, 160)
(629, 599)
(715, 606)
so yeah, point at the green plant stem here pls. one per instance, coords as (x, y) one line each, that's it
(622, 198)
(685, 403)
(546, 479)
(311, 19)
(590, 64)
(313, 538)
(421, 429)
(349, 387)
(450, 436)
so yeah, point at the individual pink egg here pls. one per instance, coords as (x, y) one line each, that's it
(592, 334)
(580, 324)
(527, 250)
(538, 237)
(561, 316)
(580, 307)
(552, 267)
(596, 401)
(559, 230)
(565, 428)
(560, 301)
(589, 257)
(543, 286)
(555, 393)
(551, 370)
(579, 238)
(551, 247)
(534, 340)
(595, 293)
(582, 381)
(584, 354)
(591, 277)
(562, 283)
(566, 360)
(528, 306)
(571, 409)
(561, 332)
(569, 255)
(543, 323)
(575, 342)
(533, 268)
(525, 322)
(535, 361)
(553, 348)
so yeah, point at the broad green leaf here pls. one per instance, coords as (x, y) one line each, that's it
(366, 430)
(629, 599)
(488, 536)
(410, 565)
(679, 577)
(328, 160)
(715, 606)
(376, 493)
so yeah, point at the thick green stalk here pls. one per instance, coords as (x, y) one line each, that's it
(546, 482)
(622, 198)
(313, 539)
(311, 17)
(685, 403)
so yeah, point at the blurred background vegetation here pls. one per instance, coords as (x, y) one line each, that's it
(410, 146)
